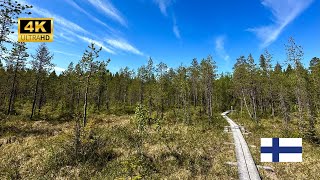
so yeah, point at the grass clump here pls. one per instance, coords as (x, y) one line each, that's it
(114, 147)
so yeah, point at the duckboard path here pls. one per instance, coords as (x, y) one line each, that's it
(247, 169)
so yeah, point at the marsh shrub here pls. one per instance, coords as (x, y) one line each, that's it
(141, 117)
(91, 151)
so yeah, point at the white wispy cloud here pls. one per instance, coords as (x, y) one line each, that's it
(65, 37)
(176, 31)
(284, 12)
(122, 45)
(163, 5)
(60, 20)
(220, 49)
(65, 29)
(59, 69)
(108, 9)
(76, 6)
(98, 43)
(66, 53)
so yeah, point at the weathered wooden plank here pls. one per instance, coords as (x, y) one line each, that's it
(246, 166)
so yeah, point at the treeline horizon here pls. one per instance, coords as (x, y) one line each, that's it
(253, 87)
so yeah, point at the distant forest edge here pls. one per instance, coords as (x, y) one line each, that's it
(256, 90)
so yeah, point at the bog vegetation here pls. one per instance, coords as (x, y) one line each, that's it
(152, 122)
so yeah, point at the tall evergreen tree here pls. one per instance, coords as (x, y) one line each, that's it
(161, 95)
(295, 55)
(89, 67)
(41, 64)
(16, 60)
(241, 84)
(208, 74)
(194, 76)
(9, 12)
(315, 80)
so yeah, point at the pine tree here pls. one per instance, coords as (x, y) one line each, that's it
(9, 12)
(41, 64)
(142, 76)
(295, 55)
(161, 95)
(208, 74)
(241, 83)
(281, 87)
(184, 92)
(17, 59)
(194, 76)
(102, 83)
(150, 84)
(89, 66)
(266, 91)
(315, 80)
(253, 89)
(3, 76)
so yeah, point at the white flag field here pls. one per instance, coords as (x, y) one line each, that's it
(281, 150)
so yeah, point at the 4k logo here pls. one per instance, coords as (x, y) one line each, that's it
(35, 29)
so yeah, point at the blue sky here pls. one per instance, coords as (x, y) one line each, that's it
(176, 31)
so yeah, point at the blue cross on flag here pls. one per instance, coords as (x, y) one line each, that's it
(281, 149)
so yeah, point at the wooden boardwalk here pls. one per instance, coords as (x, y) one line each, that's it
(247, 169)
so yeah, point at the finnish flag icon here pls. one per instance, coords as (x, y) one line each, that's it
(281, 149)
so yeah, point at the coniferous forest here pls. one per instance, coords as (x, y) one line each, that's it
(152, 122)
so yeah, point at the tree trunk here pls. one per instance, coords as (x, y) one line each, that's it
(284, 108)
(245, 103)
(162, 108)
(99, 98)
(210, 106)
(241, 107)
(150, 105)
(13, 89)
(254, 107)
(41, 99)
(300, 108)
(107, 102)
(272, 108)
(86, 103)
(141, 93)
(72, 100)
(35, 98)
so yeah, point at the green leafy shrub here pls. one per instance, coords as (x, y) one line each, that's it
(141, 117)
